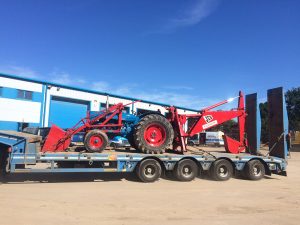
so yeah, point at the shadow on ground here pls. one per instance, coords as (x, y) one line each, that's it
(67, 177)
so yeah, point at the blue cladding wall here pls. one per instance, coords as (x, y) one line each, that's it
(13, 94)
(5, 125)
(8, 125)
(66, 113)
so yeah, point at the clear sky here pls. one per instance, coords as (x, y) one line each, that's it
(186, 52)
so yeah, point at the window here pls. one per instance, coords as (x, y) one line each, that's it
(143, 111)
(22, 126)
(126, 109)
(25, 94)
(1, 88)
(102, 106)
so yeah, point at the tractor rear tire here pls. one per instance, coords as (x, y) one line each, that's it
(153, 134)
(95, 141)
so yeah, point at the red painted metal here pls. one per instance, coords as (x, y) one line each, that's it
(56, 140)
(59, 140)
(155, 135)
(206, 119)
(96, 141)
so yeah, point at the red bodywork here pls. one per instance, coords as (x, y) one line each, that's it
(206, 119)
(59, 140)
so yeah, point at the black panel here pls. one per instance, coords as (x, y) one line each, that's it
(251, 123)
(276, 121)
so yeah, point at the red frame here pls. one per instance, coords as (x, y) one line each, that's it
(59, 140)
(208, 119)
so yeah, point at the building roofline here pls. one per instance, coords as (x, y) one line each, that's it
(88, 90)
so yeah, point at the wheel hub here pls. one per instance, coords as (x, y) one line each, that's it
(149, 171)
(186, 170)
(155, 135)
(256, 171)
(223, 171)
(96, 141)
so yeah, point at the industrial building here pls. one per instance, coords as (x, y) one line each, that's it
(27, 102)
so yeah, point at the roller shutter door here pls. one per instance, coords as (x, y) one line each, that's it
(65, 112)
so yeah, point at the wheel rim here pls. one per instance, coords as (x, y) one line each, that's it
(149, 171)
(187, 171)
(155, 135)
(256, 170)
(223, 171)
(96, 142)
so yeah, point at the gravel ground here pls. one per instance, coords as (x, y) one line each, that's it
(120, 199)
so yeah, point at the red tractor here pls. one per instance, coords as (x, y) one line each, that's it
(150, 132)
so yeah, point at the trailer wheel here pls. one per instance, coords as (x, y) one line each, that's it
(149, 170)
(254, 170)
(221, 170)
(95, 141)
(186, 170)
(153, 134)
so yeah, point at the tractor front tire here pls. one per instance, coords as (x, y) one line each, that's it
(95, 141)
(153, 134)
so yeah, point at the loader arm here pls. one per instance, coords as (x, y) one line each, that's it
(206, 119)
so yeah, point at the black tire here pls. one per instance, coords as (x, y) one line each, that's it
(221, 170)
(162, 137)
(113, 145)
(149, 170)
(95, 141)
(130, 139)
(254, 170)
(186, 170)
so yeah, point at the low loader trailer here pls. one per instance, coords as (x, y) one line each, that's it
(21, 153)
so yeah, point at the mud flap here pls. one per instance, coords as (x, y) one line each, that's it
(278, 123)
(252, 124)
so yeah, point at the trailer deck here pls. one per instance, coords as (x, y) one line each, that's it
(26, 157)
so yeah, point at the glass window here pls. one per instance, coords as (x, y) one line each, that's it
(25, 94)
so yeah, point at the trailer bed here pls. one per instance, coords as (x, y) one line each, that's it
(26, 157)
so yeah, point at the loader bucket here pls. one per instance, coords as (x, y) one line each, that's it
(55, 140)
(232, 146)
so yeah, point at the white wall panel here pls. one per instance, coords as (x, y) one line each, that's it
(19, 84)
(147, 106)
(19, 111)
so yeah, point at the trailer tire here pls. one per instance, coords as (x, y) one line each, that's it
(153, 134)
(221, 170)
(186, 170)
(95, 141)
(149, 170)
(254, 170)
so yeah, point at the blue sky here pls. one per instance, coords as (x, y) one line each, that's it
(190, 53)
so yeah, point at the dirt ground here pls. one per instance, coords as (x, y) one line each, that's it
(120, 199)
